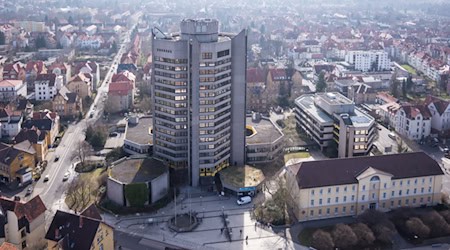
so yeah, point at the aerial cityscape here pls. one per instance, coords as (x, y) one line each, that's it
(224, 124)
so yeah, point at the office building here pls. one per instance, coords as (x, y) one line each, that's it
(333, 121)
(199, 88)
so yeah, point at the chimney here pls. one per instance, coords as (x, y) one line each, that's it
(57, 236)
(81, 221)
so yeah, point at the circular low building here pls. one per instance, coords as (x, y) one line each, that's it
(137, 181)
(241, 181)
(264, 140)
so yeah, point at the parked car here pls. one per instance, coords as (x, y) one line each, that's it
(113, 134)
(56, 158)
(244, 200)
(46, 178)
(29, 191)
(392, 135)
(66, 176)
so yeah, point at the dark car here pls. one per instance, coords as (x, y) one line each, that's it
(56, 158)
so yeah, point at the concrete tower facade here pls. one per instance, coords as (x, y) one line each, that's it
(199, 99)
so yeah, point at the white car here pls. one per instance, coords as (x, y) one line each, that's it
(244, 200)
(66, 176)
(46, 178)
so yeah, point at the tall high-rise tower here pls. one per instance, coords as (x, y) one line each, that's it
(199, 84)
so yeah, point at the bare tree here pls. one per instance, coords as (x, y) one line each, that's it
(364, 234)
(436, 223)
(322, 240)
(416, 227)
(343, 236)
(446, 215)
(78, 194)
(83, 150)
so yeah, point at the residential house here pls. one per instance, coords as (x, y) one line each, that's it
(32, 70)
(354, 185)
(89, 42)
(276, 78)
(81, 85)
(440, 115)
(91, 68)
(61, 69)
(73, 231)
(22, 105)
(17, 162)
(120, 96)
(46, 121)
(413, 121)
(256, 90)
(125, 76)
(23, 223)
(38, 138)
(10, 121)
(46, 86)
(11, 89)
(66, 103)
(14, 71)
(361, 93)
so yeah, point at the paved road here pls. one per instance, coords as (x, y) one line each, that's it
(52, 191)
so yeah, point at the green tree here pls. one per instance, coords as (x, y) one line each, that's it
(409, 83)
(404, 89)
(262, 29)
(2, 38)
(321, 83)
(113, 48)
(70, 20)
(40, 42)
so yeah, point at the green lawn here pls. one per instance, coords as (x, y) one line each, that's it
(409, 69)
(297, 155)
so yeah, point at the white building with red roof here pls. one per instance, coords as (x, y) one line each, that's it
(413, 121)
(11, 89)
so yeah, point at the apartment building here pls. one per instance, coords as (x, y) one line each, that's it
(353, 185)
(376, 60)
(413, 121)
(23, 223)
(333, 121)
(440, 114)
(46, 86)
(11, 89)
(199, 91)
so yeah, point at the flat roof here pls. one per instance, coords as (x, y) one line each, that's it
(266, 131)
(307, 103)
(140, 133)
(244, 176)
(137, 170)
(334, 98)
(361, 119)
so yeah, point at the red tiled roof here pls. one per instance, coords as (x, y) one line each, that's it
(120, 88)
(412, 111)
(256, 75)
(30, 209)
(440, 104)
(277, 74)
(8, 246)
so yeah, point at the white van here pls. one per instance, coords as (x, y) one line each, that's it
(244, 200)
(392, 135)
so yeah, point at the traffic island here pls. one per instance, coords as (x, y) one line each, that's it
(184, 222)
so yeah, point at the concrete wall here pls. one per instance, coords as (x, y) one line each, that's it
(160, 187)
(115, 191)
(238, 93)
